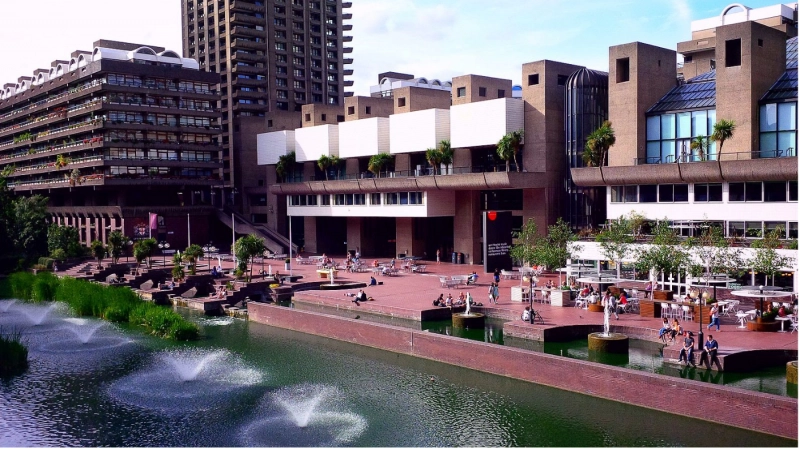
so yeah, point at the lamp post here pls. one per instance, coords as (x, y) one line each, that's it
(761, 292)
(163, 246)
(207, 250)
(129, 243)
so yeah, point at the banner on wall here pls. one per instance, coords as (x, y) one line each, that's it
(496, 240)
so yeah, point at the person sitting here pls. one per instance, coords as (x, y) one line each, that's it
(666, 329)
(573, 285)
(360, 296)
(526, 314)
(472, 279)
(439, 302)
(375, 263)
(623, 301)
(213, 272)
(709, 354)
(781, 313)
(687, 351)
(549, 284)
(171, 284)
(462, 298)
(676, 330)
(449, 301)
(585, 292)
(372, 281)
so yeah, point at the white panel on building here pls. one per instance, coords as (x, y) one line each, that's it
(440, 203)
(365, 137)
(313, 142)
(419, 130)
(271, 146)
(484, 122)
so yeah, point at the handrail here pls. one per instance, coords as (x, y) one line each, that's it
(426, 171)
(726, 156)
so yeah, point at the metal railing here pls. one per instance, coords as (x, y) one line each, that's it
(426, 171)
(737, 156)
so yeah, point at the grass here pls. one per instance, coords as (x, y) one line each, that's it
(116, 304)
(13, 354)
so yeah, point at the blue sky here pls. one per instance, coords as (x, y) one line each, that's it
(430, 38)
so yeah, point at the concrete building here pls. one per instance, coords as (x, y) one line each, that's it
(274, 57)
(114, 134)
(740, 66)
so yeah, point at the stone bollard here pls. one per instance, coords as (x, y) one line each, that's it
(791, 372)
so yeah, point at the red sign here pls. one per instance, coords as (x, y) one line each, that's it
(491, 214)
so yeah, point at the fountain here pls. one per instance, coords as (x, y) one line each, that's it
(186, 379)
(607, 341)
(304, 415)
(468, 319)
(5, 305)
(83, 329)
(37, 315)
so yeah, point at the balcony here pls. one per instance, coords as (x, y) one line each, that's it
(240, 5)
(247, 43)
(347, 49)
(246, 18)
(484, 122)
(347, 72)
(347, 38)
(346, 61)
(347, 16)
(248, 69)
(246, 31)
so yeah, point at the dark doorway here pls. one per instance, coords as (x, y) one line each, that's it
(436, 233)
(332, 235)
(378, 235)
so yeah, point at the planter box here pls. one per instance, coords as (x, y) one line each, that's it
(596, 308)
(664, 295)
(758, 325)
(562, 298)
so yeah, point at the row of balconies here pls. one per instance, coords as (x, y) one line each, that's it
(471, 125)
(107, 161)
(96, 179)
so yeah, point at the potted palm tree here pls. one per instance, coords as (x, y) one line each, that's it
(285, 163)
(700, 145)
(723, 130)
(597, 145)
(378, 161)
(508, 148)
(446, 153)
(434, 158)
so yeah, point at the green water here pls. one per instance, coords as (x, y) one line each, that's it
(263, 386)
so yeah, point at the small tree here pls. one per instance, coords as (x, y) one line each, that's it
(597, 145)
(143, 249)
(508, 147)
(552, 250)
(285, 163)
(446, 152)
(434, 158)
(177, 269)
(723, 130)
(378, 161)
(767, 260)
(665, 255)
(247, 248)
(699, 145)
(98, 251)
(615, 241)
(528, 250)
(116, 245)
(714, 253)
(64, 238)
(191, 255)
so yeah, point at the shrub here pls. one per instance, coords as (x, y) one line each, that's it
(13, 354)
(21, 284)
(184, 331)
(59, 255)
(46, 262)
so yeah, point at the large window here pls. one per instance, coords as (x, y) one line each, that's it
(704, 193)
(669, 136)
(745, 191)
(778, 126)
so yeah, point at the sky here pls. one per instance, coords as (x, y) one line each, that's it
(431, 38)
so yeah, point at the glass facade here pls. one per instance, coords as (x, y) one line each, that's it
(670, 135)
(778, 129)
(586, 109)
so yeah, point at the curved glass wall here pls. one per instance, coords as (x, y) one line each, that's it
(586, 110)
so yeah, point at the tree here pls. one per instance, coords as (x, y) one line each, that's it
(30, 226)
(116, 245)
(143, 249)
(714, 253)
(177, 269)
(508, 147)
(700, 145)
(598, 144)
(723, 130)
(527, 250)
(378, 161)
(326, 162)
(285, 163)
(766, 259)
(98, 251)
(191, 255)
(665, 254)
(552, 250)
(446, 153)
(247, 248)
(615, 241)
(434, 158)
(65, 239)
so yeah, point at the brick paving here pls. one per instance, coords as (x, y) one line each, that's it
(407, 294)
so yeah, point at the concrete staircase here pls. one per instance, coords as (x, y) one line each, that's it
(273, 241)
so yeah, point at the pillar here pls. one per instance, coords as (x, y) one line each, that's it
(87, 222)
(404, 233)
(354, 228)
(467, 226)
(103, 230)
(310, 225)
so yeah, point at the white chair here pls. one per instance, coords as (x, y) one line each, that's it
(443, 281)
(793, 322)
(675, 311)
(688, 313)
(742, 317)
(665, 310)
(733, 307)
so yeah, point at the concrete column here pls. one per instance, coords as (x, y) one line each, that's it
(402, 162)
(310, 225)
(122, 226)
(542, 206)
(308, 171)
(87, 222)
(103, 229)
(405, 238)
(467, 226)
(351, 167)
(354, 229)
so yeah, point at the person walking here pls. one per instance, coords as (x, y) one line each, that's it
(497, 275)
(491, 293)
(714, 317)
(709, 355)
(496, 292)
(438, 256)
